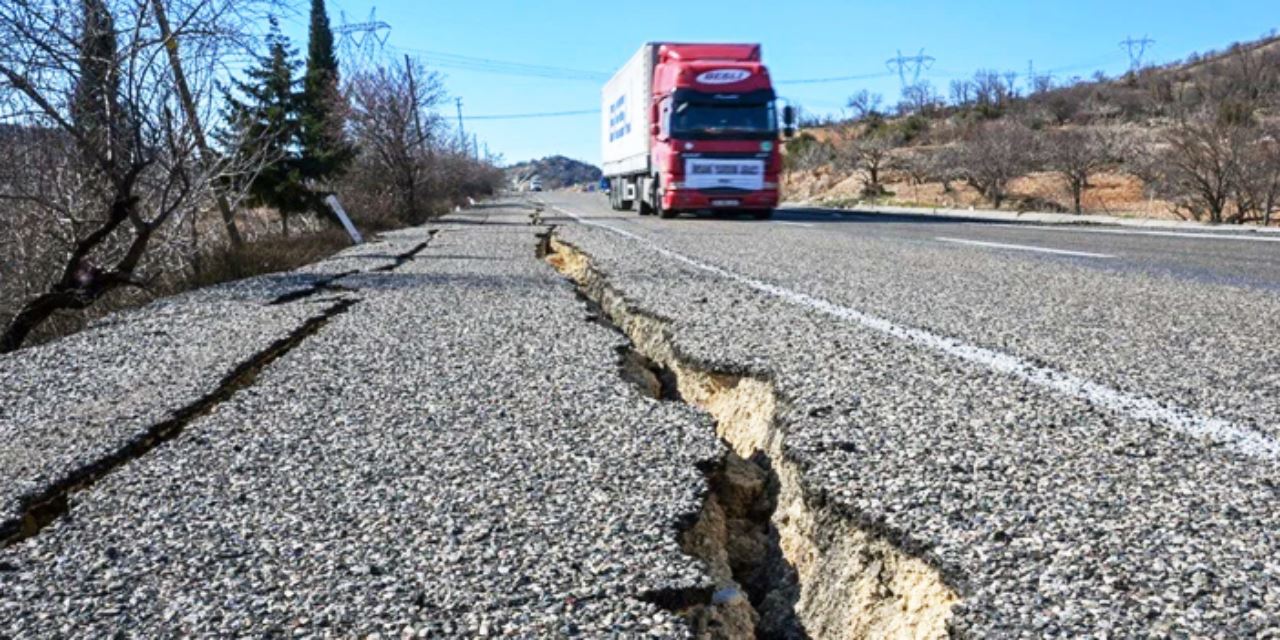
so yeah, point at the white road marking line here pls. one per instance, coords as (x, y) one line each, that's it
(793, 224)
(1241, 440)
(1024, 247)
(1127, 232)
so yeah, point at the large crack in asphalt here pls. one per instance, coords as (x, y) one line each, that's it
(784, 564)
(330, 284)
(408, 256)
(42, 508)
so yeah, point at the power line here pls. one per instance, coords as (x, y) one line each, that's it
(524, 116)
(865, 76)
(504, 67)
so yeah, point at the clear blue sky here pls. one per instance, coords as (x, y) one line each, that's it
(803, 39)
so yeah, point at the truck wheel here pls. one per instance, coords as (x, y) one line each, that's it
(654, 205)
(762, 214)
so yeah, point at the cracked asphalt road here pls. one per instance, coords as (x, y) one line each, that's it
(1083, 446)
(457, 455)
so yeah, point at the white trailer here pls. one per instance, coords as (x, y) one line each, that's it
(624, 134)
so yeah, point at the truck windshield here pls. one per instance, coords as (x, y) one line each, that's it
(694, 120)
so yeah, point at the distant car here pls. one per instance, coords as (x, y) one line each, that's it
(535, 184)
(604, 185)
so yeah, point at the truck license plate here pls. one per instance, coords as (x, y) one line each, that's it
(725, 203)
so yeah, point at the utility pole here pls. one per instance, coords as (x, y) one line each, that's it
(413, 98)
(193, 119)
(475, 146)
(462, 133)
(1136, 48)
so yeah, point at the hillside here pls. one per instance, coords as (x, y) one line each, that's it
(556, 172)
(1141, 144)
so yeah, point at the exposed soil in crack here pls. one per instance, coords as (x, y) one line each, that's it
(43, 508)
(784, 565)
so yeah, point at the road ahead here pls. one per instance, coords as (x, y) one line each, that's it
(818, 426)
(1187, 318)
(1077, 426)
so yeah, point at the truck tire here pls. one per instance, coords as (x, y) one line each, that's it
(649, 204)
(665, 214)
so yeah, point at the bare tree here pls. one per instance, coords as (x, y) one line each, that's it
(919, 98)
(397, 131)
(870, 154)
(410, 166)
(919, 165)
(865, 104)
(1193, 166)
(990, 95)
(1076, 154)
(961, 93)
(1041, 84)
(92, 79)
(1256, 177)
(994, 154)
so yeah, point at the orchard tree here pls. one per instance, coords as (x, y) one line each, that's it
(994, 154)
(1076, 154)
(871, 154)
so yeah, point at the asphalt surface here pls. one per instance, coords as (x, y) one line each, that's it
(455, 455)
(1083, 445)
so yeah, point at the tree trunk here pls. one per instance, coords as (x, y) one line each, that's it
(1077, 194)
(32, 315)
(193, 120)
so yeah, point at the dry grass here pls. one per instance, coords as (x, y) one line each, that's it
(266, 255)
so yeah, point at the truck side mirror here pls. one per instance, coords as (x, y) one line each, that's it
(654, 129)
(788, 121)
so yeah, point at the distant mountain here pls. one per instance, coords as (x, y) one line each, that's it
(556, 172)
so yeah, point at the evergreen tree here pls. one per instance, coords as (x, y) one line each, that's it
(266, 131)
(325, 150)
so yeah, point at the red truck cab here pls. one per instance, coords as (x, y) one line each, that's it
(715, 145)
(713, 132)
